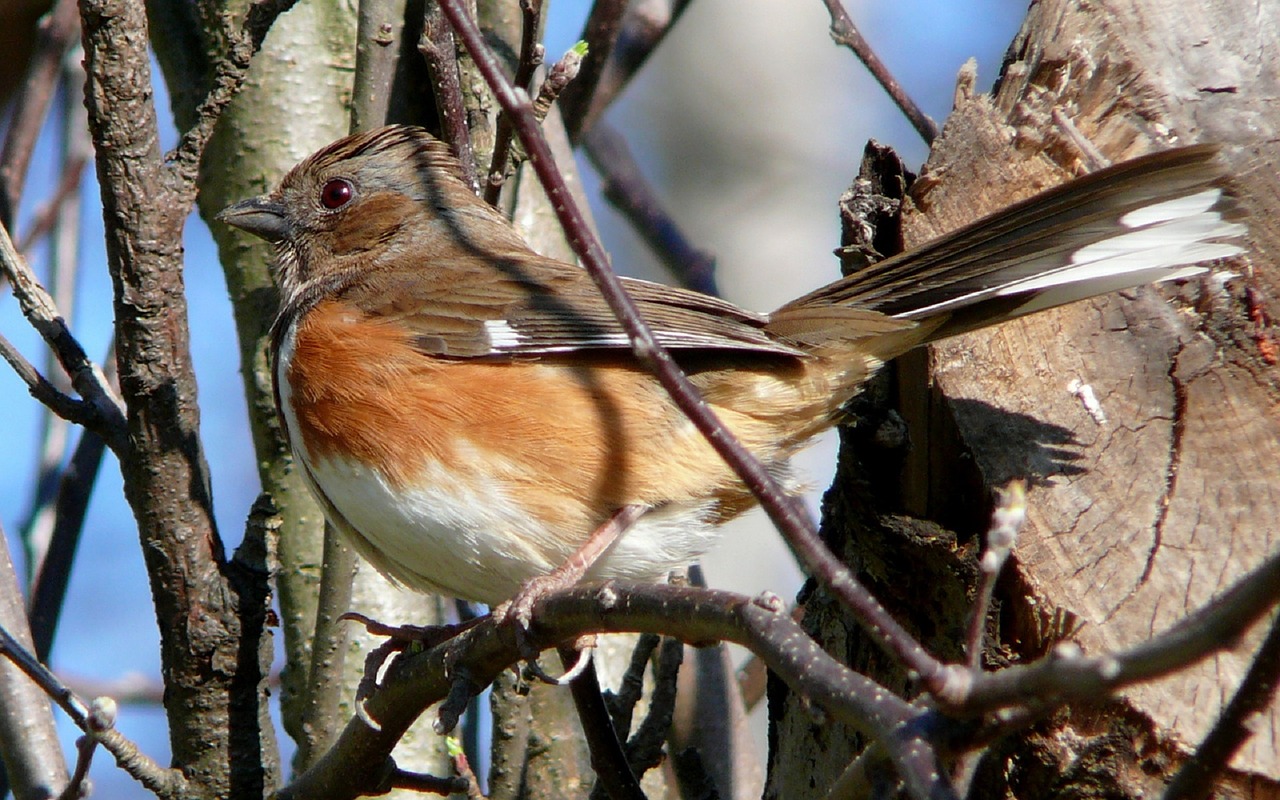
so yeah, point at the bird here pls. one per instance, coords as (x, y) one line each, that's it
(470, 415)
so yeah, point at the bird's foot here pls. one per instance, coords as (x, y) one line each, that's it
(399, 638)
(518, 612)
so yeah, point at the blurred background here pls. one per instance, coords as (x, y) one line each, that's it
(749, 121)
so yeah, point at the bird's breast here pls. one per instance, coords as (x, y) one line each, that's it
(471, 476)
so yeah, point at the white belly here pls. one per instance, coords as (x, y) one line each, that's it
(478, 545)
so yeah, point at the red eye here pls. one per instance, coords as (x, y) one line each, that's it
(336, 193)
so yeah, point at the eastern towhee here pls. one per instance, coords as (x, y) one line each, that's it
(468, 412)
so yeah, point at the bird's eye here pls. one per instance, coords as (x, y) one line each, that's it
(336, 193)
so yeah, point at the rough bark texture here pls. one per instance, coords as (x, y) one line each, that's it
(214, 649)
(1138, 519)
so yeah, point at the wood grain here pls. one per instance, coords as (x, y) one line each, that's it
(1142, 518)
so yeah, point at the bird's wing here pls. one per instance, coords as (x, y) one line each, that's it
(531, 306)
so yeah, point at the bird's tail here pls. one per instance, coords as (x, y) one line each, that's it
(1155, 218)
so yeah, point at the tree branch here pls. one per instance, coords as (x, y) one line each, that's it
(844, 32)
(56, 33)
(96, 719)
(219, 729)
(231, 70)
(624, 186)
(600, 33)
(28, 738)
(107, 417)
(414, 683)
(1067, 674)
(1198, 776)
(644, 25)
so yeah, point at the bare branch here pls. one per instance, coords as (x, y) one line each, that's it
(1067, 674)
(47, 215)
(644, 25)
(38, 307)
(531, 56)
(166, 476)
(75, 487)
(1199, 775)
(624, 185)
(57, 31)
(608, 759)
(96, 720)
(441, 54)
(844, 32)
(1006, 520)
(693, 615)
(28, 737)
(77, 788)
(378, 27)
(325, 686)
(230, 73)
(65, 406)
(600, 32)
(645, 747)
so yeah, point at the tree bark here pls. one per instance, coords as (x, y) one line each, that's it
(1141, 514)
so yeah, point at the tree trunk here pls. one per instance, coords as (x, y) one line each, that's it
(1143, 508)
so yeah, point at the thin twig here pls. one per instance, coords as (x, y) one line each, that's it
(558, 77)
(28, 736)
(58, 30)
(1006, 521)
(531, 56)
(786, 511)
(599, 32)
(1067, 674)
(608, 759)
(644, 26)
(65, 406)
(622, 704)
(242, 45)
(1199, 775)
(441, 54)
(88, 380)
(844, 32)
(49, 591)
(76, 788)
(644, 749)
(624, 185)
(46, 216)
(95, 721)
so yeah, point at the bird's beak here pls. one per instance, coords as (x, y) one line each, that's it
(260, 216)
